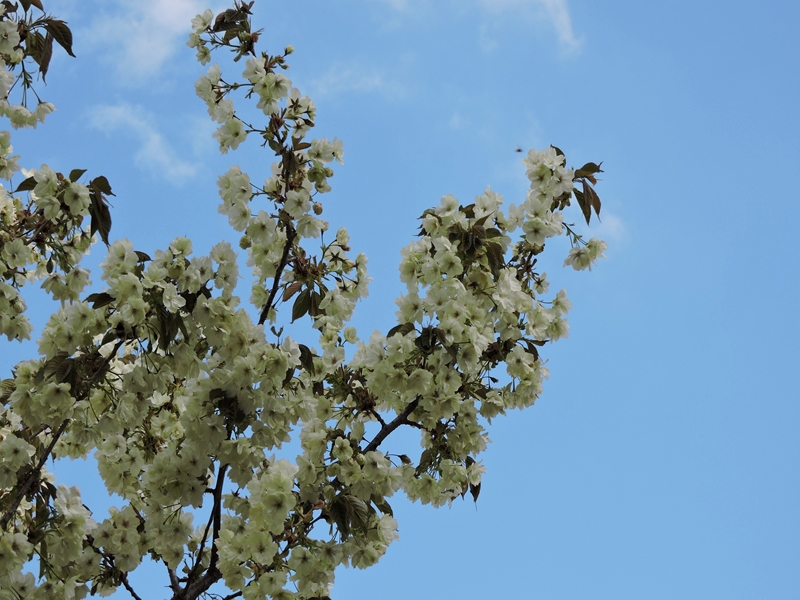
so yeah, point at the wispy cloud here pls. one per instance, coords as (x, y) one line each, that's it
(402, 5)
(456, 121)
(143, 34)
(341, 79)
(610, 228)
(155, 153)
(554, 11)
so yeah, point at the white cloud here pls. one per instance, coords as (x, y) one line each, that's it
(554, 11)
(340, 79)
(610, 228)
(456, 121)
(143, 34)
(402, 5)
(155, 153)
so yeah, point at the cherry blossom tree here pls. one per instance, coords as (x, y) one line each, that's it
(184, 395)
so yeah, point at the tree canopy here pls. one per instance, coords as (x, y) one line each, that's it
(184, 392)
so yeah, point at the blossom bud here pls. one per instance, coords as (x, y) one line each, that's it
(317, 208)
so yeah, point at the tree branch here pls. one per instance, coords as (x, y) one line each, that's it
(400, 419)
(195, 588)
(217, 510)
(124, 579)
(174, 584)
(290, 235)
(32, 476)
(211, 521)
(193, 591)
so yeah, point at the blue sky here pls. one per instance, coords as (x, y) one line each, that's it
(662, 459)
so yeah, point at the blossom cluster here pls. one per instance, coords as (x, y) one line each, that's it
(184, 396)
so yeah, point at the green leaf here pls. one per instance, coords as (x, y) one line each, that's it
(360, 511)
(101, 184)
(494, 254)
(100, 299)
(101, 220)
(588, 170)
(306, 358)
(531, 348)
(493, 232)
(426, 340)
(64, 369)
(7, 387)
(229, 19)
(426, 460)
(216, 394)
(592, 196)
(301, 304)
(291, 291)
(101, 216)
(35, 48)
(232, 33)
(402, 329)
(51, 366)
(168, 326)
(586, 207)
(76, 174)
(479, 392)
(475, 490)
(313, 306)
(338, 512)
(142, 256)
(382, 505)
(26, 185)
(109, 337)
(47, 54)
(288, 378)
(61, 33)
(482, 221)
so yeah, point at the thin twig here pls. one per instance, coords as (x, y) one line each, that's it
(377, 416)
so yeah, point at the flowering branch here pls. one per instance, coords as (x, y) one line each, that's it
(197, 389)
